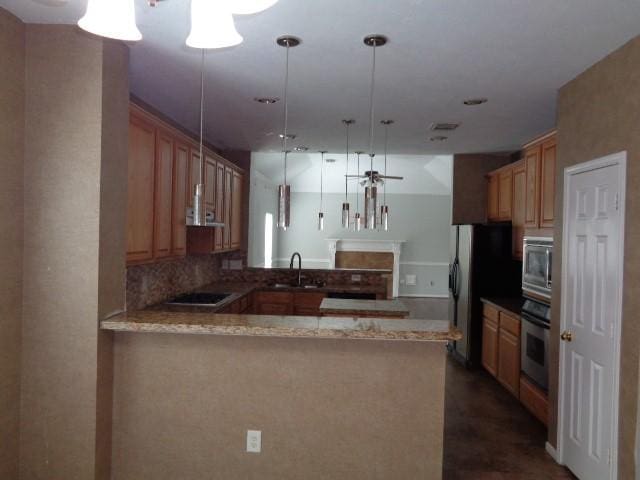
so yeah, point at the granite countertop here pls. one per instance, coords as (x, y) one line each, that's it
(364, 307)
(159, 321)
(511, 305)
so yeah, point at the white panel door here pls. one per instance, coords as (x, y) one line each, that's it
(590, 322)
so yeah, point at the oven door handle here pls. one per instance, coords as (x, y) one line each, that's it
(548, 269)
(535, 321)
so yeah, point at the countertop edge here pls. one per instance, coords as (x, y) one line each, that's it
(505, 305)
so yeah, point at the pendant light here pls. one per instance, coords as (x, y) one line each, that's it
(284, 190)
(358, 218)
(371, 190)
(248, 7)
(345, 205)
(384, 209)
(212, 25)
(112, 19)
(199, 210)
(321, 213)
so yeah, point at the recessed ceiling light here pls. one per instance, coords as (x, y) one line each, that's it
(330, 160)
(300, 148)
(475, 101)
(266, 100)
(290, 136)
(443, 126)
(438, 138)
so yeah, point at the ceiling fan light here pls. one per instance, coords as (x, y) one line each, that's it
(248, 7)
(212, 25)
(112, 19)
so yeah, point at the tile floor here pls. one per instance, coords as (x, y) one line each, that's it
(488, 435)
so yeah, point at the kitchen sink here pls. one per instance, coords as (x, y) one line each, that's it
(286, 285)
(200, 299)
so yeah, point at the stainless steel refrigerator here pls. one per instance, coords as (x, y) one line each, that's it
(480, 265)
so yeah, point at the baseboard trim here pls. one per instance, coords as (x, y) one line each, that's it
(553, 453)
(421, 295)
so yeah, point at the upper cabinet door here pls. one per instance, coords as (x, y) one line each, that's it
(218, 243)
(209, 183)
(492, 198)
(532, 197)
(163, 196)
(505, 192)
(518, 210)
(228, 186)
(140, 197)
(548, 183)
(237, 227)
(180, 194)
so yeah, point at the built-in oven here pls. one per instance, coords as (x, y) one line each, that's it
(536, 266)
(534, 343)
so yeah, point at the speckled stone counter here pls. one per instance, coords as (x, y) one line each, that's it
(281, 326)
(383, 308)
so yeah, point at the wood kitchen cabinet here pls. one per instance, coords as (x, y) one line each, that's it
(307, 303)
(163, 211)
(534, 399)
(540, 164)
(179, 204)
(505, 192)
(273, 303)
(518, 208)
(163, 169)
(492, 197)
(501, 347)
(236, 227)
(140, 196)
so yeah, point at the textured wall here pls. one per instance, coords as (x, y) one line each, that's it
(11, 166)
(599, 114)
(70, 76)
(328, 409)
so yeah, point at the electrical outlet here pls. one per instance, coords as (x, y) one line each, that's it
(356, 278)
(431, 283)
(254, 441)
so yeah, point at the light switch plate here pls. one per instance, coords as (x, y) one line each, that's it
(411, 279)
(254, 441)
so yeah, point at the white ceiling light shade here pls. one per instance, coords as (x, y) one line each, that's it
(111, 19)
(247, 7)
(212, 25)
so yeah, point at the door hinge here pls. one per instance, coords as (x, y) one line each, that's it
(617, 201)
(608, 456)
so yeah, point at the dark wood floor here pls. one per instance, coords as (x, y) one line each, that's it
(489, 435)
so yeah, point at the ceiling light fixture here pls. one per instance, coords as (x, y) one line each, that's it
(289, 136)
(199, 216)
(357, 223)
(284, 190)
(248, 7)
(475, 101)
(321, 212)
(330, 160)
(300, 148)
(212, 25)
(438, 138)
(345, 205)
(112, 19)
(266, 100)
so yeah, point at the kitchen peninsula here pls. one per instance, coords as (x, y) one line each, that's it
(189, 382)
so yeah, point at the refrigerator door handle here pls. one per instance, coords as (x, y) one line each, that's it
(456, 269)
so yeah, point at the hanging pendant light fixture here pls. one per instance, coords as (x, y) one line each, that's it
(248, 7)
(212, 25)
(345, 205)
(371, 190)
(284, 190)
(199, 209)
(358, 217)
(384, 209)
(320, 213)
(112, 19)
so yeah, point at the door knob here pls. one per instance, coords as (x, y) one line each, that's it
(566, 336)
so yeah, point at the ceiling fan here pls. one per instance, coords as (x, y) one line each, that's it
(373, 177)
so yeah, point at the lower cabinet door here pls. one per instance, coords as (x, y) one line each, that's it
(490, 346)
(509, 361)
(274, 309)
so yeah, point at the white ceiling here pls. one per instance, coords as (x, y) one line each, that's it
(515, 52)
(422, 174)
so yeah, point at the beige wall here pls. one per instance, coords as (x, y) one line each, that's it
(71, 254)
(328, 409)
(11, 165)
(599, 114)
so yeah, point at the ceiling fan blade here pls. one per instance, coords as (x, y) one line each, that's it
(391, 177)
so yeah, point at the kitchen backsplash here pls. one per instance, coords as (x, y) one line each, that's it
(156, 282)
(267, 276)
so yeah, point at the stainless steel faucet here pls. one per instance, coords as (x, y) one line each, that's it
(299, 266)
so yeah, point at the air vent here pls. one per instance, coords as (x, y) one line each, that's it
(443, 127)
